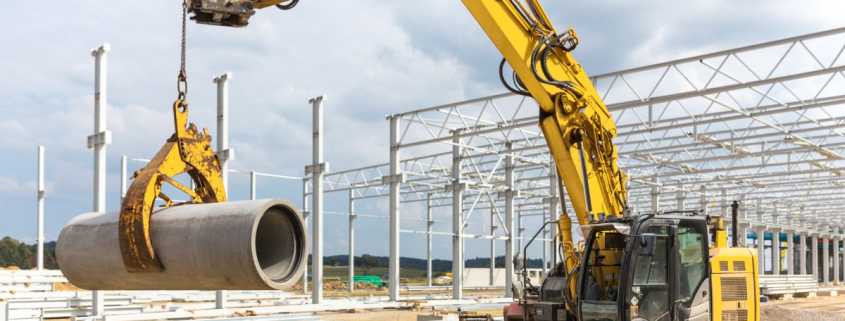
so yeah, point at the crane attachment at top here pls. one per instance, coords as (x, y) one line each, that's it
(232, 13)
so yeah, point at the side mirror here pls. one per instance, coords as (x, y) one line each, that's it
(647, 241)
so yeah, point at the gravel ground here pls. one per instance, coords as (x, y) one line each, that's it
(808, 309)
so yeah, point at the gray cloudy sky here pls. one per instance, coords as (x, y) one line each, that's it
(370, 57)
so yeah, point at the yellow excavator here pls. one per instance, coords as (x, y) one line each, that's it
(674, 265)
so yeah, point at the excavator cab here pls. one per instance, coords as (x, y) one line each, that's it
(662, 268)
(629, 267)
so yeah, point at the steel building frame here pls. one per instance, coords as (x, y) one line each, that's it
(762, 124)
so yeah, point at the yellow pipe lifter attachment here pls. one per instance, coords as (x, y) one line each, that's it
(187, 151)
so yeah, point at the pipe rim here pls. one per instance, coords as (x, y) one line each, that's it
(288, 274)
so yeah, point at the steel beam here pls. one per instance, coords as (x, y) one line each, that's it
(98, 141)
(223, 152)
(39, 218)
(317, 170)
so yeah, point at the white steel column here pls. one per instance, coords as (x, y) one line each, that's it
(253, 185)
(457, 219)
(520, 230)
(39, 220)
(761, 245)
(826, 260)
(223, 153)
(429, 226)
(509, 219)
(351, 243)
(124, 176)
(317, 169)
(681, 198)
(802, 253)
(305, 215)
(790, 252)
(395, 180)
(553, 212)
(835, 240)
(655, 195)
(98, 141)
(743, 222)
(702, 201)
(776, 259)
(814, 260)
(492, 244)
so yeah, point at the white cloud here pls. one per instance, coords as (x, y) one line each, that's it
(10, 185)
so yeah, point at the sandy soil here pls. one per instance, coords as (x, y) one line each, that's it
(815, 309)
(388, 315)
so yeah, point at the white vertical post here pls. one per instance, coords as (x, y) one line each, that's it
(224, 154)
(815, 257)
(790, 250)
(98, 141)
(680, 197)
(429, 226)
(826, 259)
(124, 176)
(509, 219)
(802, 253)
(305, 215)
(395, 180)
(835, 241)
(457, 219)
(554, 201)
(520, 230)
(544, 247)
(351, 243)
(39, 221)
(317, 170)
(655, 195)
(253, 185)
(492, 244)
(761, 244)
(776, 259)
(702, 202)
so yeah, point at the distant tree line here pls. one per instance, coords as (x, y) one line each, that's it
(22, 255)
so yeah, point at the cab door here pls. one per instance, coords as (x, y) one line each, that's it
(692, 295)
(649, 294)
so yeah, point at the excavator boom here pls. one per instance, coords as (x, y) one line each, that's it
(575, 122)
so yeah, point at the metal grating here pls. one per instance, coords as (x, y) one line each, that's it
(735, 315)
(739, 266)
(734, 289)
(723, 266)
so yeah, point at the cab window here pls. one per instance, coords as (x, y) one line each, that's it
(692, 256)
(649, 297)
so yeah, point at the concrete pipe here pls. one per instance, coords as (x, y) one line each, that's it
(244, 245)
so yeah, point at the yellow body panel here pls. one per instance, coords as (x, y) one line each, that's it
(735, 289)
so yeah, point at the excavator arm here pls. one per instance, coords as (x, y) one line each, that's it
(577, 126)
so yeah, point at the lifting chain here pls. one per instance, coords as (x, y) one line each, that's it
(182, 78)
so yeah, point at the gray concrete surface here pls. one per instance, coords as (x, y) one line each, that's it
(244, 245)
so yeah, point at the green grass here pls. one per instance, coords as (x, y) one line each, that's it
(341, 272)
